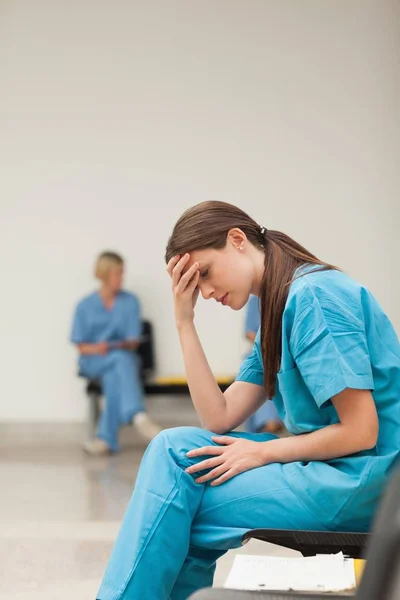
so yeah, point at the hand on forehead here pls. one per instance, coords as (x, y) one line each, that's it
(195, 256)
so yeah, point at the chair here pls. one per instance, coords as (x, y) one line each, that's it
(94, 391)
(381, 577)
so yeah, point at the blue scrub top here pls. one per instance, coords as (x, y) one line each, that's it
(335, 336)
(252, 315)
(94, 322)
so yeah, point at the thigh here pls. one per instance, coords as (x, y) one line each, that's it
(124, 364)
(260, 498)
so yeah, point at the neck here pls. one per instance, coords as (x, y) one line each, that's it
(259, 269)
(106, 293)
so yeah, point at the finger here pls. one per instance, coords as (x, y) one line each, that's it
(225, 477)
(185, 280)
(192, 287)
(211, 450)
(177, 270)
(185, 286)
(177, 263)
(172, 262)
(224, 439)
(213, 474)
(204, 464)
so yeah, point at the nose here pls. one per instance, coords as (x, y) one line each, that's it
(207, 291)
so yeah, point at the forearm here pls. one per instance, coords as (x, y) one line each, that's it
(88, 349)
(327, 443)
(207, 398)
(125, 345)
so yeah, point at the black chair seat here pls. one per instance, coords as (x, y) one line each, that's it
(309, 543)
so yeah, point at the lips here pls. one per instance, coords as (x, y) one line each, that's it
(224, 300)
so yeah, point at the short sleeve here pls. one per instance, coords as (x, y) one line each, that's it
(252, 315)
(251, 369)
(133, 322)
(79, 328)
(330, 350)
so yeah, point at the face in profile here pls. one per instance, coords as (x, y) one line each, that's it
(226, 275)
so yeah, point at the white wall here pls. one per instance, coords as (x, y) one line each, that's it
(116, 116)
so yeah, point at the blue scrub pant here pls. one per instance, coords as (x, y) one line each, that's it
(267, 412)
(118, 373)
(175, 529)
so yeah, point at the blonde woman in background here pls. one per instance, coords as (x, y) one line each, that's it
(107, 330)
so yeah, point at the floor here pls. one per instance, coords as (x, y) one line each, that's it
(61, 509)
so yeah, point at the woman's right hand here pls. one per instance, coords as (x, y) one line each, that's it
(184, 288)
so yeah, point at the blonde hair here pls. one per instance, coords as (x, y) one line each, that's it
(105, 262)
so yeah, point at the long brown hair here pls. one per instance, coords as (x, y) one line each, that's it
(207, 224)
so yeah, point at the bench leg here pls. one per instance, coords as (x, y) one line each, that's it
(93, 416)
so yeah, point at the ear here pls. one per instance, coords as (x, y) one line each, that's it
(237, 238)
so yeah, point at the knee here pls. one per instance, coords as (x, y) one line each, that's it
(179, 437)
(177, 441)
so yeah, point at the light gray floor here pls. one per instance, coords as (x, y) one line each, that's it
(60, 510)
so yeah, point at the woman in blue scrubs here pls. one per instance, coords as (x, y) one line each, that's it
(328, 356)
(107, 330)
(266, 418)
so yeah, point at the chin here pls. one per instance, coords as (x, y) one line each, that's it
(238, 303)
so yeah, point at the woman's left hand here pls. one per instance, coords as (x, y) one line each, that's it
(231, 457)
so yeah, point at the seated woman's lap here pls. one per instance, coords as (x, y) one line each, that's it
(257, 498)
(260, 498)
(99, 366)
